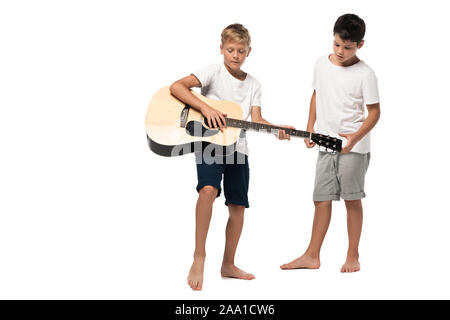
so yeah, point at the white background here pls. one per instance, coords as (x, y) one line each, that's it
(87, 211)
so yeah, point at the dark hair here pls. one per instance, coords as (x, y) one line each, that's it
(350, 27)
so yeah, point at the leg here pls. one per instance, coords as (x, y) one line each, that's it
(233, 233)
(236, 182)
(311, 258)
(203, 211)
(354, 226)
(352, 171)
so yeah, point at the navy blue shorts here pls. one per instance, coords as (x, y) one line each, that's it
(235, 177)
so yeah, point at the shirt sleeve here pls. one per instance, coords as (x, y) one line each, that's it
(206, 74)
(256, 95)
(370, 89)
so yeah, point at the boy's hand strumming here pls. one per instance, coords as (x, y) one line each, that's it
(214, 118)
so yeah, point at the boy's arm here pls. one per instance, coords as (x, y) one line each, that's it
(257, 117)
(311, 120)
(368, 124)
(181, 90)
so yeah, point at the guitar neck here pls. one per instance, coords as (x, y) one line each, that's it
(261, 127)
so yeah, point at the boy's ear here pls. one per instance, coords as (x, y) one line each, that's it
(249, 49)
(221, 49)
(360, 44)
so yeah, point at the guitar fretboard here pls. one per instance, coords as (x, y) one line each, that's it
(261, 127)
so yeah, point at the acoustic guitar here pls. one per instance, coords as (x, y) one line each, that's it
(174, 128)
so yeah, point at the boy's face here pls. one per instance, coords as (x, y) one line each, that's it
(345, 50)
(234, 53)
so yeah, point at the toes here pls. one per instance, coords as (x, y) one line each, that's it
(349, 269)
(196, 286)
(250, 277)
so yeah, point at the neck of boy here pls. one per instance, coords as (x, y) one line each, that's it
(239, 74)
(353, 60)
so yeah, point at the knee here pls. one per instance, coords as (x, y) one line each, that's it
(236, 209)
(353, 203)
(322, 204)
(208, 192)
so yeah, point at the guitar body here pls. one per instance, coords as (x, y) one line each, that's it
(174, 129)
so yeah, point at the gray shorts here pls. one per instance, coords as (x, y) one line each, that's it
(340, 175)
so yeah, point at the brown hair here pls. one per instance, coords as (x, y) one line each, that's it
(236, 31)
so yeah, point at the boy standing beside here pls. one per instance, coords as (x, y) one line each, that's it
(224, 81)
(342, 85)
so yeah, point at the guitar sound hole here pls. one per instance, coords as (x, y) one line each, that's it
(196, 129)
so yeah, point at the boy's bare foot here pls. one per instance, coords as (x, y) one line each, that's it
(231, 271)
(195, 277)
(303, 262)
(351, 265)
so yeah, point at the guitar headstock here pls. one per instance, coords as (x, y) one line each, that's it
(328, 142)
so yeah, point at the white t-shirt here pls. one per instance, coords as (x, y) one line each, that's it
(219, 84)
(341, 96)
